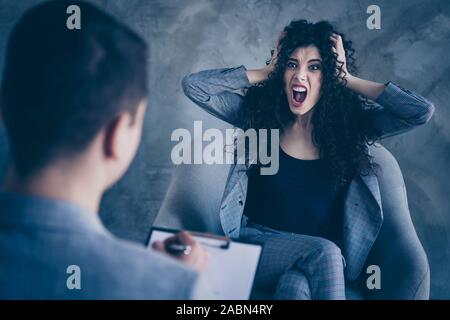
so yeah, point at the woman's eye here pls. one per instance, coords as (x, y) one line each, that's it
(314, 67)
(291, 65)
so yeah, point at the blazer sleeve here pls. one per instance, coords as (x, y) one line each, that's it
(216, 91)
(398, 110)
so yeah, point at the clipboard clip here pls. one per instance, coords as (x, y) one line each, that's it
(225, 240)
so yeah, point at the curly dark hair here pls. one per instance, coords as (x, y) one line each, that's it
(342, 130)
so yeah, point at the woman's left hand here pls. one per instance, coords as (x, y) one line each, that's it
(365, 88)
(338, 48)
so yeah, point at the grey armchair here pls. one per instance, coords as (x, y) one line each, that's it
(193, 200)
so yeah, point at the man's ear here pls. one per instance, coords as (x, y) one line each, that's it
(114, 137)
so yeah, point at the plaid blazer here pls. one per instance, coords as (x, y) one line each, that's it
(395, 111)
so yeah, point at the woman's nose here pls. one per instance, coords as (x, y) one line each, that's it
(301, 75)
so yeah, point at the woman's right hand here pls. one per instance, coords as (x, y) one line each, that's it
(259, 75)
(273, 60)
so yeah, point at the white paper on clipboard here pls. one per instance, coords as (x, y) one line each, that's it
(231, 266)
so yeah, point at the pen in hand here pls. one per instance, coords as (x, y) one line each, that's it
(183, 247)
(177, 249)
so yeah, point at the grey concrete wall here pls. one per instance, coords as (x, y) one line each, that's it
(185, 36)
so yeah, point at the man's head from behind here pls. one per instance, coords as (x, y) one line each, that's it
(73, 94)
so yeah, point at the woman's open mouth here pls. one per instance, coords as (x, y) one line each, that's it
(299, 94)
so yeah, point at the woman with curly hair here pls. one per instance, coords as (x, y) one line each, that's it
(320, 215)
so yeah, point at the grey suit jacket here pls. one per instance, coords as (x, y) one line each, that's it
(396, 110)
(40, 238)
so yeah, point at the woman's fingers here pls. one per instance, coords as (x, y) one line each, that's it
(334, 41)
(338, 49)
(337, 39)
(274, 53)
(337, 44)
(280, 38)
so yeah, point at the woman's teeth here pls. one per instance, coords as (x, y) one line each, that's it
(299, 94)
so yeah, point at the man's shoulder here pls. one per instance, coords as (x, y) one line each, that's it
(135, 271)
(45, 242)
(41, 263)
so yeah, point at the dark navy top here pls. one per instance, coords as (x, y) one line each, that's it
(300, 198)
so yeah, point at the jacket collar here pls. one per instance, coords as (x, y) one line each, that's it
(45, 213)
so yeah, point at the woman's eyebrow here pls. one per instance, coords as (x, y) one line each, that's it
(311, 60)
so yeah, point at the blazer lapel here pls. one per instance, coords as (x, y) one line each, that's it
(363, 217)
(372, 185)
(231, 207)
(236, 172)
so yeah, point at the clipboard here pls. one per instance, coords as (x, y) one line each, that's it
(232, 265)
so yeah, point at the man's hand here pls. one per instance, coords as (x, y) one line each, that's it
(195, 256)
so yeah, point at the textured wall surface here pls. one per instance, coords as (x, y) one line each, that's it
(185, 36)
